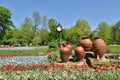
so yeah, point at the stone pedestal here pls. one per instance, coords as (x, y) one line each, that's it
(99, 62)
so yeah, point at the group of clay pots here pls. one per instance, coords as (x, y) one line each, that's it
(98, 47)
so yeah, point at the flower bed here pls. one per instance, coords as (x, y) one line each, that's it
(37, 68)
(22, 60)
(58, 72)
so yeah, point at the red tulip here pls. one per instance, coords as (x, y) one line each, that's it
(105, 68)
(69, 71)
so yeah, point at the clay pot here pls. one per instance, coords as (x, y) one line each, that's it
(86, 43)
(79, 52)
(69, 45)
(99, 47)
(64, 53)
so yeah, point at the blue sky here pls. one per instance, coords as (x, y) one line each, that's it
(67, 12)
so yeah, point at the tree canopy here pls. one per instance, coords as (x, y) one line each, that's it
(116, 32)
(40, 30)
(84, 27)
(81, 28)
(104, 31)
(5, 18)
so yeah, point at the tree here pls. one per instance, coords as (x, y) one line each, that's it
(5, 21)
(8, 38)
(44, 34)
(116, 32)
(72, 34)
(29, 31)
(26, 31)
(75, 33)
(53, 34)
(83, 27)
(44, 22)
(5, 18)
(37, 39)
(37, 20)
(104, 31)
(19, 36)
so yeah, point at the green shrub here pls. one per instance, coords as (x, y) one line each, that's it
(52, 58)
(53, 45)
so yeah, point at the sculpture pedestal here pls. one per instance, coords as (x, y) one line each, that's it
(70, 63)
(99, 62)
(102, 62)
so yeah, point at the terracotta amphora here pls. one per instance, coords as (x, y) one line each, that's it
(69, 45)
(79, 52)
(99, 47)
(86, 43)
(65, 53)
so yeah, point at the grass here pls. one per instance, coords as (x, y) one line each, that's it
(113, 48)
(36, 51)
(23, 52)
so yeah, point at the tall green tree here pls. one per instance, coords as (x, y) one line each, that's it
(116, 32)
(75, 33)
(104, 31)
(5, 20)
(84, 27)
(37, 20)
(31, 31)
(53, 34)
(26, 31)
(45, 22)
(72, 34)
(37, 39)
(44, 34)
(16, 37)
(8, 38)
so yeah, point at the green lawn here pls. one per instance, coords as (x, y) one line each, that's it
(113, 48)
(23, 52)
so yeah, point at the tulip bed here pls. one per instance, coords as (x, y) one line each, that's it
(22, 60)
(34, 67)
(33, 70)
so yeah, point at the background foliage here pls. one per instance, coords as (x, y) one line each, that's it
(39, 30)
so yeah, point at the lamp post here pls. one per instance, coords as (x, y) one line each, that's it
(59, 29)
